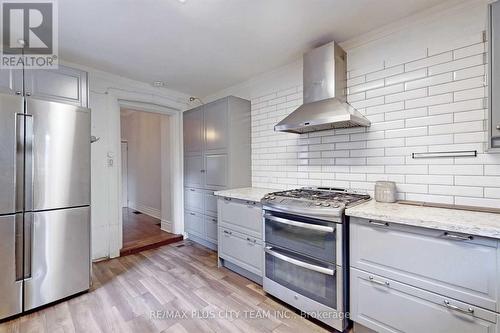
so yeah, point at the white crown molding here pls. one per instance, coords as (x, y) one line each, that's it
(422, 17)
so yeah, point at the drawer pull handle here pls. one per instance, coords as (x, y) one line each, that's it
(385, 284)
(456, 308)
(457, 237)
(227, 199)
(380, 224)
(251, 240)
(192, 189)
(192, 214)
(214, 220)
(228, 232)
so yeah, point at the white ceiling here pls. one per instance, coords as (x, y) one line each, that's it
(203, 46)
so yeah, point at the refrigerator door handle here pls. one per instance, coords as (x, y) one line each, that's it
(28, 244)
(28, 163)
(19, 162)
(18, 231)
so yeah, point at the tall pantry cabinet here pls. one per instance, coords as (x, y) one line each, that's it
(216, 157)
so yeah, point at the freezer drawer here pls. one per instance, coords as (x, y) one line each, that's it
(59, 255)
(61, 155)
(11, 263)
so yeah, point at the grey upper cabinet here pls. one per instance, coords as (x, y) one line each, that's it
(216, 125)
(494, 76)
(11, 81)
(193, 131)
(65, 85)
(216, 157)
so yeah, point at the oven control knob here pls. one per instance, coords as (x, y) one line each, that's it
(266, 197)
(336, 206)
(272, 197)
(326, 204)
(318, 203)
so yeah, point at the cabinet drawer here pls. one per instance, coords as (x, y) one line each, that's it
(194, 223)
(244, 251)
(211, 229)
(445, 263)
(210, 203)
(385, 305)
(242, 216)
(193, 199)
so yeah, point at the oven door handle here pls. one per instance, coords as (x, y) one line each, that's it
(323, 270)
(309, 226)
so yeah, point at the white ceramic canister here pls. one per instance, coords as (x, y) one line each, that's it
(385, 191)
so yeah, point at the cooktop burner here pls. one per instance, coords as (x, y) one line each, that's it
(335, 195)
(317, 201)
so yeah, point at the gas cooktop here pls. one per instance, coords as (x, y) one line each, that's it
(315, 202)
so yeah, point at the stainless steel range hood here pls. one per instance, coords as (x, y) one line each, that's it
(325, 103)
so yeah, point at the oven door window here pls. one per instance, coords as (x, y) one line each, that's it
(310, 237)
(310, 278)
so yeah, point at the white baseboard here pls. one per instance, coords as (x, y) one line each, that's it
(153, 212)
(166, 225)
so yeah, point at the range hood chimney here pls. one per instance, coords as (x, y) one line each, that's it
(325, 101)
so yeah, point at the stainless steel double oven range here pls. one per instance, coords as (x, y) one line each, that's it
(306, 250)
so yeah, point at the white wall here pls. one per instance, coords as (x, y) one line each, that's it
(421, 82)
(142, 131)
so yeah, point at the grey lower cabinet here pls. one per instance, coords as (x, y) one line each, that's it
(240, 245)
(216, 157)
(494, 76)
(66, 85)
(448, 282)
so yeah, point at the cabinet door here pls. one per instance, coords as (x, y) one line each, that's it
(216, 125)
(387, 306)
(65, 85)
(11, 81)
(193, 199)
(194, 223)
(241, 250)
(495, 73)
(211, 229)
(193, 131)
(216, 171)
(193, 171)
(210, 203)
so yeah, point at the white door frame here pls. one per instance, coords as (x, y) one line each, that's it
(176, 169)
(124, 159)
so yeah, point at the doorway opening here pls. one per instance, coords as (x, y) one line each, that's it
(145, 161)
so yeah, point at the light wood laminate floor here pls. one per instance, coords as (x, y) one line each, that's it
(179, 277)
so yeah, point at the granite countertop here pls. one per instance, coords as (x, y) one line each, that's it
(246, 193)
(452, 220)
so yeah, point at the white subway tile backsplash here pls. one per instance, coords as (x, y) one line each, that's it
(457, 64)
(429, 81)
(430, 120)
(429, 61)
(428, 101)
(365, 86)
(412, 94)
(435, 103)
(385, 73)
(385, 91)
(468, 51)
(408, 76)
(470, 72)
(467, 105)
(469, 94)
(457, 86)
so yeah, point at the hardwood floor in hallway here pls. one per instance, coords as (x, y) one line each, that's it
(159, 290)
(142, 232)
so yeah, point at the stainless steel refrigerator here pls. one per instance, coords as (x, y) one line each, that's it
(44, 202)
